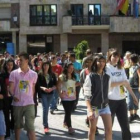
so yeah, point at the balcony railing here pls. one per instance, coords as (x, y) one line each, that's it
(90, 20)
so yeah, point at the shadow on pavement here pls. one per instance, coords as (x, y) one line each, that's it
(56, 134)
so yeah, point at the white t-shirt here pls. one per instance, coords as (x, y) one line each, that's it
(116, 75)
(67, 89)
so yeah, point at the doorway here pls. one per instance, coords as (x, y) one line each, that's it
(132, 46)
(39, 43)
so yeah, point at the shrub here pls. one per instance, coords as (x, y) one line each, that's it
(80, 49)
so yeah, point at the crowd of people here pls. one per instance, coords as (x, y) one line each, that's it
(104, 80)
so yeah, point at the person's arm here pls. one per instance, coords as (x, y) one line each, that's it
(128, 87)
(11, 91)
(33, 89)
(87, 93)
(34, 83)
(59, 83)
(138, 71)
(3, 89)
(115, 84)
(54, 84)
(82, 77)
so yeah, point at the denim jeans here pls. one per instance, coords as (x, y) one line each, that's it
(131, 105)
(2, 124)
(46, 100)
(54, 102)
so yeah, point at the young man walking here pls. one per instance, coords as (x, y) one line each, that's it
(22, 88)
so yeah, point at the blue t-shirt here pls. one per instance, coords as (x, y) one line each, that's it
(77, 66)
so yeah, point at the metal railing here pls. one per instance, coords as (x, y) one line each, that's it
(90, 20)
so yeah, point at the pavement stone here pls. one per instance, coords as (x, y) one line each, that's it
(57, 132)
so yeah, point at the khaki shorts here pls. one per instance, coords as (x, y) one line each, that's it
(24, 114)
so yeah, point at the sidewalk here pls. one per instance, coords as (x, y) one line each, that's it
(57, 132)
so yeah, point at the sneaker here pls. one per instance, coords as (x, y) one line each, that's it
(65, 125)
(56, 109)
(131, 118)
(136, 117)
(71, 131)
(51, 111)
(46, 130)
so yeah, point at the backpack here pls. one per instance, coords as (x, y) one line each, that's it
(134, 81)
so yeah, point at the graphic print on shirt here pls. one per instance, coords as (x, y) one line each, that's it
(122, 91)
(117, 74)
(70, 91)
(23, 86)
(121, 88)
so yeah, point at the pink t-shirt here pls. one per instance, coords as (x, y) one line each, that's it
(23, 86)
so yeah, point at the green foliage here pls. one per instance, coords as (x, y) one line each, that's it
(80, 49)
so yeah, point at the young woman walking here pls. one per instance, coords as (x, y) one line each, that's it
(8, 67)
(67, 93)
(96, 95)
(117, 101)
(47, 83)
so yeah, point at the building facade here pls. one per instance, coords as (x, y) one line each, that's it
(9, 23)
(59, 25)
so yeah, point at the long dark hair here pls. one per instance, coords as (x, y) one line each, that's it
(49, 70)
(65, 71)
(96, 58)
(4, 68)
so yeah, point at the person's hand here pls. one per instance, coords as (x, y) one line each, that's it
(1, 96)
(44, 89)
(15, 99)
(50, 90)
(135, 100)
(61, 95)
(91, 115)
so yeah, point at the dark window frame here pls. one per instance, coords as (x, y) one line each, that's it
(77, 20)
(95, 16)
(43, 16)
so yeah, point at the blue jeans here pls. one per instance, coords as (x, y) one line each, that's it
(53, 105)
(131, 105)
(46, 100)
(2, 124)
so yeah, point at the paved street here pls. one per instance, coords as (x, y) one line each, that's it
(57, 132)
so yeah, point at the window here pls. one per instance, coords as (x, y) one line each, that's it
(77, 14)
(94, 14)
(43, 15)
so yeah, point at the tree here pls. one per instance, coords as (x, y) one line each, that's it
(80, 49)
